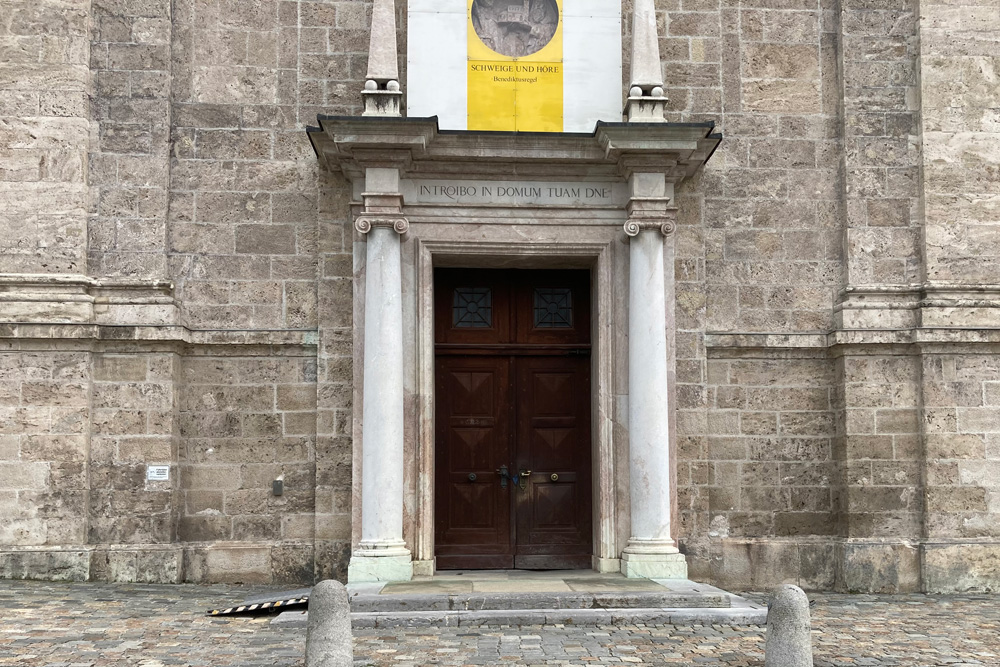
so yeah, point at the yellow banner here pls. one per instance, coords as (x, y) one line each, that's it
(515, 69)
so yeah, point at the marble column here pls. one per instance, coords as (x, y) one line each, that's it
(381, 555)
(651, 551)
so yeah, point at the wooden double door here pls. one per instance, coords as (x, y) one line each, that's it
(513, 435)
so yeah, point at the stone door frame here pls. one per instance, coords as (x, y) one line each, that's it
(429, 253)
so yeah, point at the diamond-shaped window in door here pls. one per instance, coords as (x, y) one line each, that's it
(553, 308)
(472, 308)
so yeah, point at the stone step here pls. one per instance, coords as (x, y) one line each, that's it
(742, 615)
(429, 602)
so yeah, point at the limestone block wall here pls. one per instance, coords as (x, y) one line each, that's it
(244, 423)
(45, 448)
(129, 167)
(760, 493)
(133, 423)
(194, 169)
(831, 228)
(45, 79)
(962, 416)
(880, 449)
(879, 48)
(959, 69)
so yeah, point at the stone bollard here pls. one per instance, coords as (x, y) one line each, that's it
(328, 638)
(789, 642)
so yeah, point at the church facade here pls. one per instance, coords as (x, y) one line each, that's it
(299, 289)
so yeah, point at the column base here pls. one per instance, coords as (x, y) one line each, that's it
(654, 566)
(365, 569)
(423, 568)
(605, 565)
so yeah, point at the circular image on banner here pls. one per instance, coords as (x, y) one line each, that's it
(514, 28)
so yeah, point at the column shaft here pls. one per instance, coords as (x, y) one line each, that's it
(648, 419)
(382, 554)
(651, 551)
(382, 471)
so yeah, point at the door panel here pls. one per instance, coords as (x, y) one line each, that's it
(513, 388)
(472, 307)
(553, 516)
(472, 438)
(553, 307)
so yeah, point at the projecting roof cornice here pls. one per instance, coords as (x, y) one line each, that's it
(419, 149)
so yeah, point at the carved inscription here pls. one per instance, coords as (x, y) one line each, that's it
(518, 193)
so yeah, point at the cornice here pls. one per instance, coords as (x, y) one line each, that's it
(418, 148)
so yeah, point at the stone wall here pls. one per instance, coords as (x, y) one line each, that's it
(831, 230)
(44, 136)
(761, 502)
(837, 377)
(45, 447)
(246, 422)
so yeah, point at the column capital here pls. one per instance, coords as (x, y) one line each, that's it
(364, 223)
(650, 213)
(633, 227)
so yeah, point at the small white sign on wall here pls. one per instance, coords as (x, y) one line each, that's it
(158, 473)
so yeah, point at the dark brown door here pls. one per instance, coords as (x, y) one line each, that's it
(513, 469)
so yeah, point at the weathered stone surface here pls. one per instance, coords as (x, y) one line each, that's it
(788, 642)
(329, 642)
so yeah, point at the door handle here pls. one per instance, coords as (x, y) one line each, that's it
(523, 479)
(504, 476)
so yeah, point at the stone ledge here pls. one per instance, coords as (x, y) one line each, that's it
(718, 343)
(927, 305)
(265, 563)
(154, 334)
(79, 299)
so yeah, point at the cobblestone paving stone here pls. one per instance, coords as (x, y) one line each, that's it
(96, 625)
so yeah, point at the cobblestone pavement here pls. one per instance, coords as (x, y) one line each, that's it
(91, 625)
